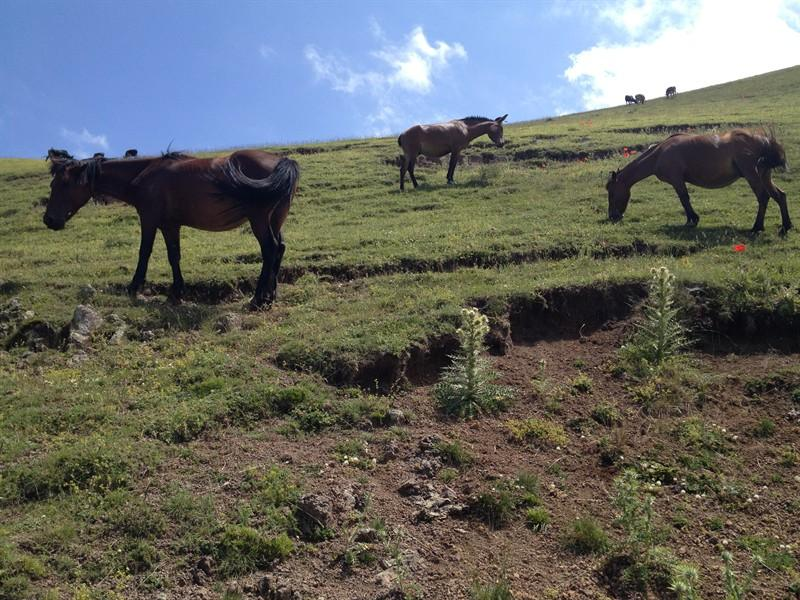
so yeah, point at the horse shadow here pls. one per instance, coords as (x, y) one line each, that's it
(707, 237)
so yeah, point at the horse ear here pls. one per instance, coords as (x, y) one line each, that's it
(501, 119)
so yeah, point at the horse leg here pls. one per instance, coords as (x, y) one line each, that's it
(750, 173)
(172, 238)
(692, 218)
(145, 249)
(403, 163)
(269, 246)
(452, 168)
(272, 285)
(780, 197)
(412, 162)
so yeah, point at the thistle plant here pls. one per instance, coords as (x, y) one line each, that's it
(660, 336)
(466, 388)
(685, 580)
(735, 589)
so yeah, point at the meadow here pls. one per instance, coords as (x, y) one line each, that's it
(176, 459)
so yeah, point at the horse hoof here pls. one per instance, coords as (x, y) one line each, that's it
(260, 304)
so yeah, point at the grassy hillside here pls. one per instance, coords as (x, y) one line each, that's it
(114, 475)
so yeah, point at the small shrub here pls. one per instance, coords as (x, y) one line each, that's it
(134, 518)
(91, 463)
(582, 384)
(607, 415)
(466, 389)
(538, 431)
(768, 552)
(361, 410)
(585, 536)
(789, 458)
(660, 336)
(537, 518)
(498, 505)
(354, 452)
(448, 475)
(764, 428)
(500, 590)
(453, 454)
(243, 550)
(139, 556)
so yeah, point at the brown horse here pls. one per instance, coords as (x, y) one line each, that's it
(444, 138)
(213, 194)
(708, 161)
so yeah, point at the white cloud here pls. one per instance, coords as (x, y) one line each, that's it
(84, 143)
(266, 52)
(686, 44)
(412, 66)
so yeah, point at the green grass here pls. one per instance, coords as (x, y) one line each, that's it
(82, 438)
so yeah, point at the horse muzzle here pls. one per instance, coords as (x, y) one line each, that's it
(53, 223)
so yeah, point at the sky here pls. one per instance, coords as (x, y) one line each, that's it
(103, 76)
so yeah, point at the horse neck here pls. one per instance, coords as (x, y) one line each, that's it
(640, 168)
(477, 130)
(115, 178)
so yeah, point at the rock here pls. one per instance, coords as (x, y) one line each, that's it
(206, 564)
(411, 487)
(366, 535)
(86, 293)
(313, 512)
(390, 451)
(429, 466)
(78, 358)
(85, 321)
(271, 588)
(430, 442)
(228, 322)
(386, 578)
(395, 416)
(147, 335)
(119, 336)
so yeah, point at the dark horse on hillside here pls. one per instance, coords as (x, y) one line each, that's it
(213, 194)
(639, 99)
(630, 100)
(671, 91)
(444, 138)
(708, 161)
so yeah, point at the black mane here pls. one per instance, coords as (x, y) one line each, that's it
(88, 168)
(174, 155)
(474, 119)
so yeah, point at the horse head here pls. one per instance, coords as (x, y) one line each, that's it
(70, 188)
(619, 195)
(496, 131)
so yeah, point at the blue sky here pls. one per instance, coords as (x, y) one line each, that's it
(105, 76)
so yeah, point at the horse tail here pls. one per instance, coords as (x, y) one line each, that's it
(773, 155)
(280, 184)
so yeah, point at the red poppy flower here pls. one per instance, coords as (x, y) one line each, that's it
(739, 248)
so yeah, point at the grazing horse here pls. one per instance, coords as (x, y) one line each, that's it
(639, 99)
(213, 194)
(671, 91)
(630, 100)
(132, 153)
(445, 138)
(708, 161)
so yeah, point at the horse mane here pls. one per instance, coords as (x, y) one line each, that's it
(175, 155)
(473, 120)
(89, 168)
